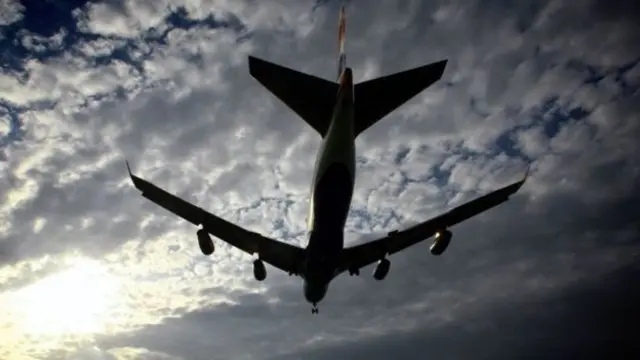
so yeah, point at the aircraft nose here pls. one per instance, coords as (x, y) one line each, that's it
(314, 294)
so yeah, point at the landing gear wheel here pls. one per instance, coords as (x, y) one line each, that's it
(314, 310)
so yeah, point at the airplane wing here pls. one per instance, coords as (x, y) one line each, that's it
(359, 256)
(283, 256)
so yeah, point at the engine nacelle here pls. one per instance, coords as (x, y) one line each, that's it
(440, 242)
(382, 269)
(205, 242)
(259, 271)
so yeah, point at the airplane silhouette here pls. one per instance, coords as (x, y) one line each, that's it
(339, 112)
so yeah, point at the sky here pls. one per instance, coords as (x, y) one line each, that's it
(89, 269)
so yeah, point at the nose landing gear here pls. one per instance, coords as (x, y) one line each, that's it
(314, 310)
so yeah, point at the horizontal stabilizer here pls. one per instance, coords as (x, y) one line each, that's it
(311, 97)
(376, 98)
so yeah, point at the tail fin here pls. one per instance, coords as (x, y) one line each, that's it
(342, 28)
(313, 98)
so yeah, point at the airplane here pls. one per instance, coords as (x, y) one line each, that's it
(339, 112)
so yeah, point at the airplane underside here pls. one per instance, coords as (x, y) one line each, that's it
(332, 200)
(339, 112)
(331, 203)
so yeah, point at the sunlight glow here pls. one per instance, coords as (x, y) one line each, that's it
(73, 301)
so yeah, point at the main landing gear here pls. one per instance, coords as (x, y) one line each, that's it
(314, 310)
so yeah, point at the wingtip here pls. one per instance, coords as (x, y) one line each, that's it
(439, 67)
(443, 64)
(520, 183)
(133, 177)
(526, 174)
(253, 62)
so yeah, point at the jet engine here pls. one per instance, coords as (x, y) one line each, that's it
(440, 242)
(381, 270)
(205, 242)
(259, 271)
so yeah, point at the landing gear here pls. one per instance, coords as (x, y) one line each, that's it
(314, 310)
(355, 272)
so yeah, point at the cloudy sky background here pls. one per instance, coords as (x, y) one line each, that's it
(91, 270)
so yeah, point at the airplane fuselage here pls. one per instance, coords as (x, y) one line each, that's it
(330, 109)
(331, 194)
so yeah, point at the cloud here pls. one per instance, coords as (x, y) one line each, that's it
(537, 326)
(550, 85)
(10, 11)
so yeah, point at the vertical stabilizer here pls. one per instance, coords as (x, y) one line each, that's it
(342, 28)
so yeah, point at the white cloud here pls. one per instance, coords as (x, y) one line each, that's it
(12, 89)
(39, 44)
(125, 19)
(179, 104)
(10, 11)
(5, 125)
(532, 141)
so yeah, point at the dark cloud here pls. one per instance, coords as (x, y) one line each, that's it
(519, 289)
(548, 84)
(590, 319)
